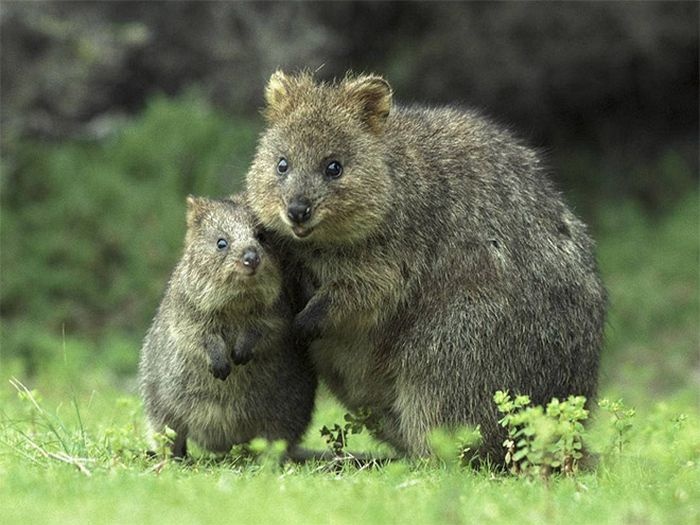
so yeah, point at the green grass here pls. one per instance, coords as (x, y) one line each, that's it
(81, 363)
(656, 478)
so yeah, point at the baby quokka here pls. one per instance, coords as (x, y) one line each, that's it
(219, 364)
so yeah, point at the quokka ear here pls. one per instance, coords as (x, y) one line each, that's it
(279, 95)
(196, 207)
(371, 95)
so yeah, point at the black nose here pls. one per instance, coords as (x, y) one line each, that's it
(299, 210)
(251, 259)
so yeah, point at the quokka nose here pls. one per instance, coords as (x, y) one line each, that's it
(250, 259)
(299, 210)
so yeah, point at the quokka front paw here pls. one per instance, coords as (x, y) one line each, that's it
(308, 323)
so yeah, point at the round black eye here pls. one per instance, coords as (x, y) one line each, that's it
(260, 236)
(282, 166)
(334, 169)
(222, 244)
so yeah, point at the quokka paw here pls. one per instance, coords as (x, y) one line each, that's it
(308, 323)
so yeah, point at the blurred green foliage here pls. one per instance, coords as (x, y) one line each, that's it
(651, 268)
(90, 230)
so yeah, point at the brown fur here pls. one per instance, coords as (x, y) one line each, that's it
(215, 314)
(444, 265)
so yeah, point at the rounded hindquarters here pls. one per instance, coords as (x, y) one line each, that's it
(544, 343)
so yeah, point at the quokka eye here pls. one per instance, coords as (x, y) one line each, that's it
(221, 244)
(260, 236)
(282, 166)
(334, 169)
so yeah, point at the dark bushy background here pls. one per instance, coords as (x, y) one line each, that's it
(113, 111)
(614, 77)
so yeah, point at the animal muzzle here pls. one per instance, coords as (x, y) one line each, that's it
(250, 260)
(299, 211)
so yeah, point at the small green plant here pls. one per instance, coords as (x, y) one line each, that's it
(267, 454)
(541, 440)
(509, 408)
(621, 420)
(458, 445)
(679, 421)
(337, 437)
(122, 441)
(164, 442)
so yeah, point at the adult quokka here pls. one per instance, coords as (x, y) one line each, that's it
(443, 264)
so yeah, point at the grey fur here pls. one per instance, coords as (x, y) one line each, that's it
(213, 316)
(444, 261)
